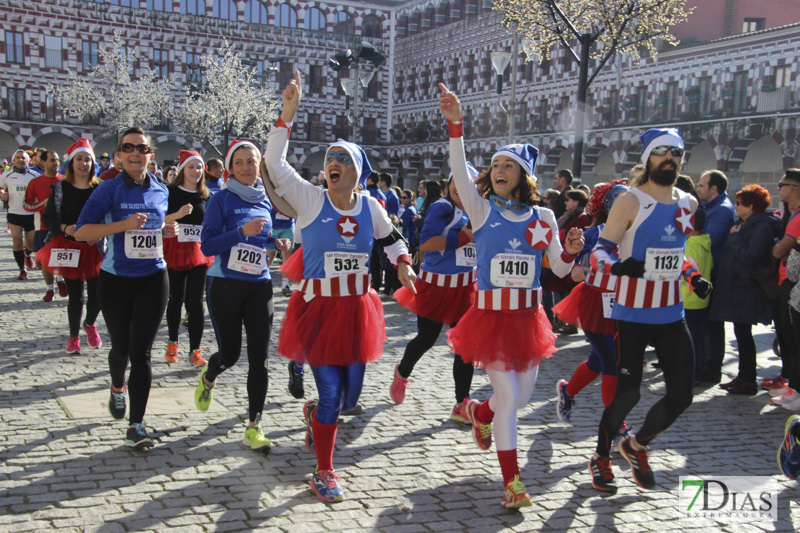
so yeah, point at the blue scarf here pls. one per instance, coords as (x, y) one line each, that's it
(254, 195)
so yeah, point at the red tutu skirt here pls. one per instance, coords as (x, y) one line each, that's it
(336, 331)
(503, 340)
(445, 305)
(88, 264)
(292, 268)
(583, 307)
(184, 255)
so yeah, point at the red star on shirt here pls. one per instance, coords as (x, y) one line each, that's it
(539, 234)
(684, 220)
(347, 226)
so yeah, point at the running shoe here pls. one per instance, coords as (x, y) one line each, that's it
(74, 344)
(28, 261)
(92, 337)
(623, 433)
(789, 451)
(171, 355)
(787, 397)
(295, 382)
(565, 401)
(196, 357)
(640, 465)
(254, 437)
(792, 406)
(357, 409)
(116, 403)
(778, 392)
(23, 275)
(137, 437)
(399, 386)
(325, 484)
(308, 418)
(203, 394)
(287, 291)
(481, 433)
(602, 476)
(62, 289)
(514, 495)
(775, 382)
(744, 388)
(459, 412)
(48, 296)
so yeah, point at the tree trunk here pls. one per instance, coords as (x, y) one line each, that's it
(580, 106)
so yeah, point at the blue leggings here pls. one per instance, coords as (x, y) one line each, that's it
(339, 389)
(602, 358)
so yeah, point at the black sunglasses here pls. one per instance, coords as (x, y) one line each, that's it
(129, 148)
(662, 150)
(405, 197)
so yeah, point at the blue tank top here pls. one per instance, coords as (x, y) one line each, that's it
(338, 243)
(443, 220)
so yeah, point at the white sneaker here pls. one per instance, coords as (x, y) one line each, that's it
(778, 392)
(792, 406)
(787, 397)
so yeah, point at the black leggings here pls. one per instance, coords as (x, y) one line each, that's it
(133, 309)
(187, 286)
(427, 333)
(232, 302)
(75, 303)
(675, 352)
(747, 352)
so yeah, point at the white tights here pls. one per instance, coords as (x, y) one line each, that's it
(512, 391)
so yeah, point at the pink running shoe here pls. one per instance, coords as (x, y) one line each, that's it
(399, 385)
(74, 344)
(481, 433)
(459, 412)
(92, 337)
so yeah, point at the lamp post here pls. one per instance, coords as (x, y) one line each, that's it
(362, 77)
(500, 62)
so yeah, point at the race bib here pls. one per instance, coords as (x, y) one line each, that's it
(343, 263)
(189, 233)
(247, 259)
(513, 270)
(143, 244)
(608, 304)
(63, 257)
(466, 256)
(663, 264)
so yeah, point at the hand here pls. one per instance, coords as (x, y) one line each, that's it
(283, 245)
(406, 276)
(136, 220)
(449, 105)
(170, 230)
(574, 242)
(291, 96)
(253, 227)
(736, 229)
(578, 273)
(185, 210)
(630, 267)
(701, 286)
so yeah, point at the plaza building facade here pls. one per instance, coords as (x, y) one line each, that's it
(731, 87)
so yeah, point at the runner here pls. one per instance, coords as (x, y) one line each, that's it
(13, 184)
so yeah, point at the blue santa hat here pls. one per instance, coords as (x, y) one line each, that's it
(471, 170)
(363, 168)
(659, 137)
(612, 194)
(524, 154)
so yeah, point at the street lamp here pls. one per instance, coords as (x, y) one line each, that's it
(500, 62)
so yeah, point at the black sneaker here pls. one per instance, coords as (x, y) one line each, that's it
(116, 403)
(295, 382)
(640, 465)
(137, 437)
(602, 476)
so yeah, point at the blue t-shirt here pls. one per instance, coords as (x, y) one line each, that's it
(409, 228)
(443, 220)
(392, 202)
(214, 185)
(280, 221)
(130, 253)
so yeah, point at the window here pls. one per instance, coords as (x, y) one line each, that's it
(50, 111)
(52, 52)
(739, 91)
(671, 106)
(369, 132)
(193, 74)
(16, 103)
(14, 47)
(753, 24)
(315, 20)
(315, 79)
(371, 27)
(543, 119)
(159, 5)
(193, 7)
(399, 87)
(286, 74)
(705, 95)
(641, 99)
(90, 58)
(342, 128)
(286, 16)
(613, 103)
(344, 23)
(128, 52)
(470, 74)
(782, 76)
(255, 12)
(316, 127)
(443, 17)
(224, 9)
(161, 63)
(123, 3)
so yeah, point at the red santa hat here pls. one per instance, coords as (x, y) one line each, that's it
(81, 145)
(188, 155)
(235, 145)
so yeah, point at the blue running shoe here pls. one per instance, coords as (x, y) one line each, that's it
(138, 438)
(325, 484)
(308, 417)
(116, 403)
(789, 452)
(565, 401)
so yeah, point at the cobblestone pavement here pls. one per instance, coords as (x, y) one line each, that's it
(405, 468)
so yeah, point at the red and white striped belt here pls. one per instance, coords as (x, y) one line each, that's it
(508, 299)
(601, 280)
(647, 294)
(348, 285)
(448, 280)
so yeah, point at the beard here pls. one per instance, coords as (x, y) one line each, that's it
(665, 176)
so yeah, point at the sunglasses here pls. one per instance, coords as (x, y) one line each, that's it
(342, 157)
(129, 148)
(501, 204)
(784, 184)
(662, 150)
(405, 197)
